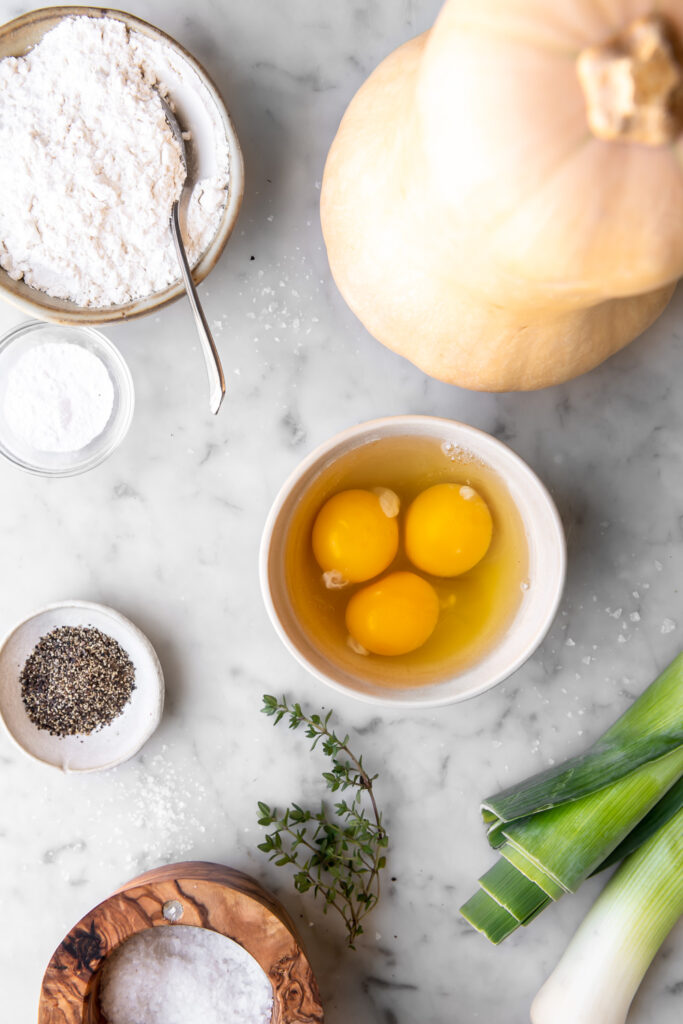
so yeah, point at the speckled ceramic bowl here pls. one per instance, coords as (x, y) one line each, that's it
(16, 38)
(105, 747)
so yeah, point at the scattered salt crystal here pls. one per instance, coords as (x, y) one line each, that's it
(622, 639)
(184, 975)
(617, 614)
(658, 565)
(634, 617)
(668, 626)
(569, 642)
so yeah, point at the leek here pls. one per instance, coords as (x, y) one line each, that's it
(599, 974)
(670, 804)
(556, 829)
(650, 728)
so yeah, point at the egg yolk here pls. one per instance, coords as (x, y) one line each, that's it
(448, 529)
(354, 537)
(395, 615)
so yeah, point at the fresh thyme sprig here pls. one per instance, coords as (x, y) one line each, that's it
(338, 857)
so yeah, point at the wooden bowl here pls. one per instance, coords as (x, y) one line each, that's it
(191, 893)
(19, 36)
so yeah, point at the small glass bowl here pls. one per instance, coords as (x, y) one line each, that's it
(27, 336)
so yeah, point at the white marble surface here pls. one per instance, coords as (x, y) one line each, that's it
(167, 531)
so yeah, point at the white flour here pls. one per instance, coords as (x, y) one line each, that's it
(89, 168)
(58, 397)
(184, 975)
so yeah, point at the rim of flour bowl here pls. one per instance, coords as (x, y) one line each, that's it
(16, 38)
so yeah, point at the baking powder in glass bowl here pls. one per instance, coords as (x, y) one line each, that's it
(66, 398)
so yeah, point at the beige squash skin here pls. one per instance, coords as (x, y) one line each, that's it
(473, 281)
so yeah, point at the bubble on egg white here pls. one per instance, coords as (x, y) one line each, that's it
(356, 647)
(452, 451)
(389, 501)
(334, 580)
(524, 585)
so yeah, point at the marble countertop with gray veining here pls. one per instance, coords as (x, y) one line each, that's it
(167, 531)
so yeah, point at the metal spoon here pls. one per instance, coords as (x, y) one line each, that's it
(209, 350)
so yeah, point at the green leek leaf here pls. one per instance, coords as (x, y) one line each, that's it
(651, 728)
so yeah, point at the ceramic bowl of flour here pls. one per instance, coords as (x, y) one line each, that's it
(215, 171)
(66, 398)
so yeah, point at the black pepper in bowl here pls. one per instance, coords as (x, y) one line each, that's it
(76, 680)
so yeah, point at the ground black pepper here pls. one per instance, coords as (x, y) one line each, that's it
(76, 680)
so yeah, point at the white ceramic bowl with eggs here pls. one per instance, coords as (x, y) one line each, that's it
(539, 603)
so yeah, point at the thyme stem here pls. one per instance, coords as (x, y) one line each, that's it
(340, 855)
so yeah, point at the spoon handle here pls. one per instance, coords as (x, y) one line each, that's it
(209, 350)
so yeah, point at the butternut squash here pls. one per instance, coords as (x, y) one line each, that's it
(503, 201)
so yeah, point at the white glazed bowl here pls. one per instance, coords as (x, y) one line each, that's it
(115, 742)
(33, 333)
(546, 570)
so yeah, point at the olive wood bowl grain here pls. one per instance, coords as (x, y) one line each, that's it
(212, 896)
(17, 37)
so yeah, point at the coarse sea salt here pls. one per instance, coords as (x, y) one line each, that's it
(58, 397)
(184, 975)
(89, 168)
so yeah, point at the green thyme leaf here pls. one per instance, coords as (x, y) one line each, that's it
(337, 852)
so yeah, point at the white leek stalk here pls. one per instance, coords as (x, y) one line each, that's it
(599, 974)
